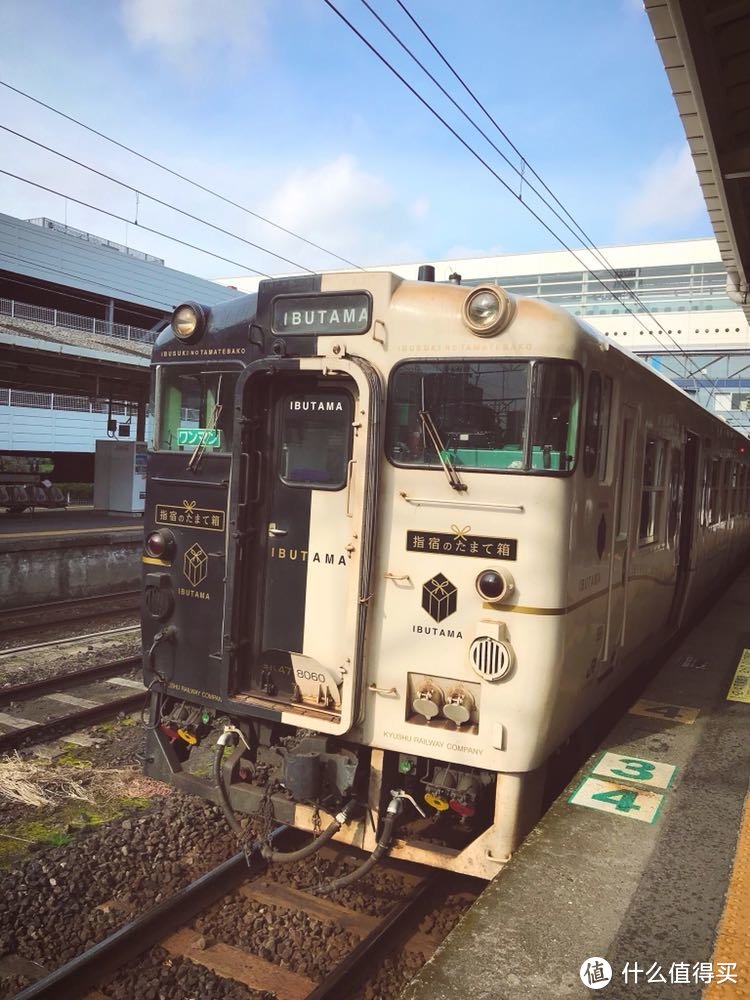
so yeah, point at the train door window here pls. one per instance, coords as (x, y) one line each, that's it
(713, 507)
(604, 425)
(194, 408)
(626, 463)
(652, 496)
(729, 474)
(675, 497)
(593, 425)
(314, 439)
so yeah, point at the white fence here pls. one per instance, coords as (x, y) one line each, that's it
(72, 321)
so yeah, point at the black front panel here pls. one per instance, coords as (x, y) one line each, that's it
(190, 580)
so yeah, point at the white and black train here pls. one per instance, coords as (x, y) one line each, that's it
(402, 540)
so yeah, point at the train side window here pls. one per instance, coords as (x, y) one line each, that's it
(652, 496)
(555, 423)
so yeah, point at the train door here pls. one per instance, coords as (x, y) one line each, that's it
(306, 524)
(618, 567)
(681, 530)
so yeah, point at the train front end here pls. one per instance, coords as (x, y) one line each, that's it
(351, 479)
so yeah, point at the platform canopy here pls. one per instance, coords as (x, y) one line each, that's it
(705, 47)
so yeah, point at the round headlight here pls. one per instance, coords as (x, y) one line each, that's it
(160, 544)
(493, 585)
(188, 321)
(487, 311)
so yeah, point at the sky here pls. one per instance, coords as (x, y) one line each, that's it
(280, 107)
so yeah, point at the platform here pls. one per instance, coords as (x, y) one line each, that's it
(54, 555)
(643, 862)
(44, 521)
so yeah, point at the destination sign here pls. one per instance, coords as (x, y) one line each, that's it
(297, 315)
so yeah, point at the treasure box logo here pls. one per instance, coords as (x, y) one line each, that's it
(195, 565)
(439, 597)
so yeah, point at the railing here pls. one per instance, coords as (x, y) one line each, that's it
(58, 401)
(72, 321)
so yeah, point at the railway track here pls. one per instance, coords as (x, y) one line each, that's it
(41, 710)
(176, 926)
(30, 618)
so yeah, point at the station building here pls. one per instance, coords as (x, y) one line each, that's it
(78, 316)
(667, 302)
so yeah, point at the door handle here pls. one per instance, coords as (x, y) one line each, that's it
(273, 531)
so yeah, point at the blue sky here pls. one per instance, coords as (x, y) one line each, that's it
(276, 104)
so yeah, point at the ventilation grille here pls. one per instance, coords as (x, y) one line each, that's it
(490, 658)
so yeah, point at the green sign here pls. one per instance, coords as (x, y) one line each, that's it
(209, 437)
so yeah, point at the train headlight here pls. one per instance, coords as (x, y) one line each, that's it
(188, 321)
(487, 310)
(494, 584)
(160, 544)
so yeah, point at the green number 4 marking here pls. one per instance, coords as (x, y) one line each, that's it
(632, 767)
(622, 800)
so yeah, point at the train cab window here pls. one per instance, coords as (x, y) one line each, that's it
(314, 439)
(194, 408)
(480, 411)
(652, 496)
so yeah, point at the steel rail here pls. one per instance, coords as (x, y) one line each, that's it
(84, 717)
(346, 975)
(65, 642)
(82, 973)
(60, 682)
(54, 612)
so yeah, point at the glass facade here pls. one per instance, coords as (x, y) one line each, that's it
(719, 380)
(667, 288)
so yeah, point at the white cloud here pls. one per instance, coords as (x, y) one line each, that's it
(343, 207)
(668, 195)
(181, 28)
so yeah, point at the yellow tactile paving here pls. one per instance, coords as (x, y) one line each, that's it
(733, 940)
(72, 531)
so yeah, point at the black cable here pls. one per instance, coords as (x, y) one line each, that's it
(133, 222)
(518, 197)
(578, 231)
(175, 173)
(151, 197)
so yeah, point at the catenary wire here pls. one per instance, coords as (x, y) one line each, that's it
(182, 177)
(519, 197)
(151, 197)
(576, 230)
(133, 222)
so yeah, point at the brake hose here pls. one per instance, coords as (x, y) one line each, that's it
(267, 851)
(389, 823)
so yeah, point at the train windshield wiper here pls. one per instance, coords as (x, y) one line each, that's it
(450, 470)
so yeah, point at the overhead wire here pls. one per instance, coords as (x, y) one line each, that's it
(144, 194)
(133, 222)
(578, 232)
(180, 176)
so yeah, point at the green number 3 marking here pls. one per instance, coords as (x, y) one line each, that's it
(638, 770)
(623, 801)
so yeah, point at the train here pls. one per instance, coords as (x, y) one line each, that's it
(402, 540)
